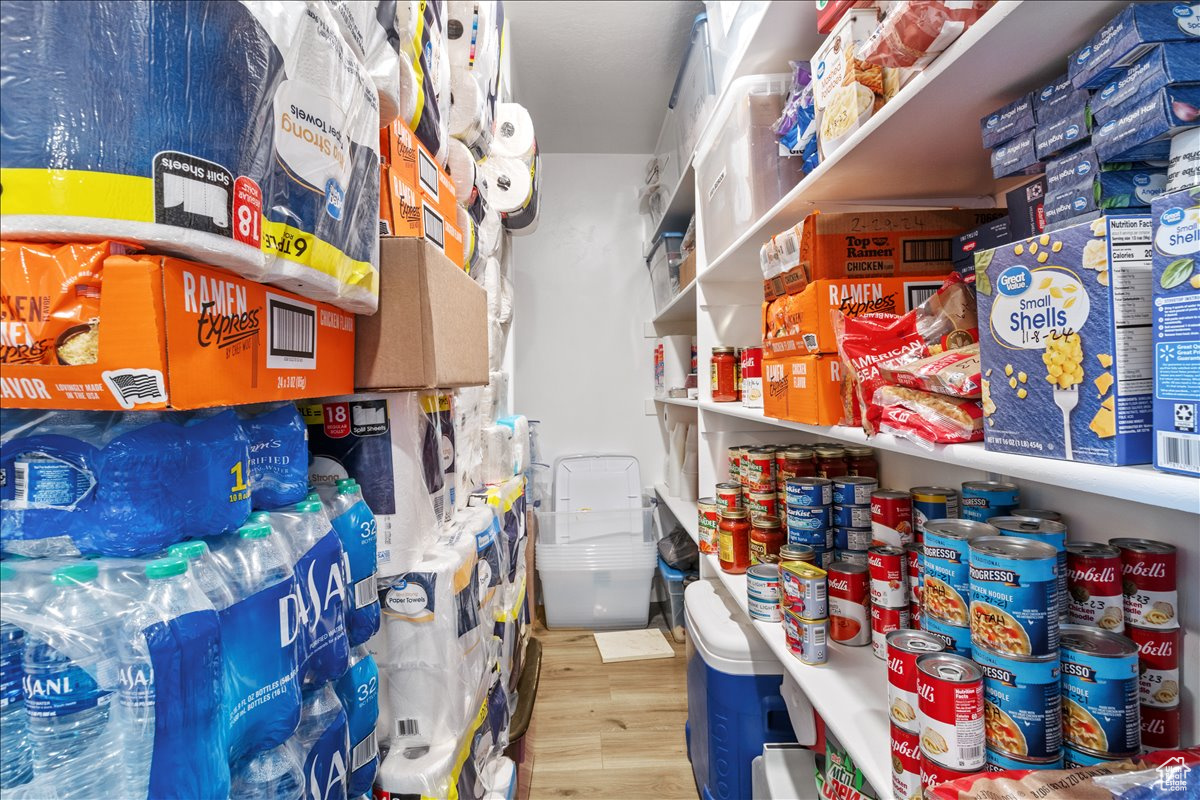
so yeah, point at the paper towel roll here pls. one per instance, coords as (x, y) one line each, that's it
(490, 278)
(497, 454)
(519, 425)
(1184, 169)
(497, 340)
(468, 111)
(504, 312)
(513, 136)
(467, 31)
(524, 220)
(498, 384)
(507, 184)
(471, 257)
(461, 165)
(409, 90)
(489, 232)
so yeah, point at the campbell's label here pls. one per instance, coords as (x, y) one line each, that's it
(951, 717)
(1158, 666)
(903, 703)
(1160, 727)
(888, 567)
(1094, 592)
(883, 622)
(849, 621)
(1148, 583)
(906, 764)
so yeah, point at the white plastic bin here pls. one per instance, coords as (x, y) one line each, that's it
(663, 264)
(693, 94)
(740, 174)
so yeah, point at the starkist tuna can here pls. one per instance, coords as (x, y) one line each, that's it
(1100, 692)
(1023, 705)
(945, 589)
(852, 516)
(1014, 596)
(853, 490)
(809, 492)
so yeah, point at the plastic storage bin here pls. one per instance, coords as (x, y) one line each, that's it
(693, 95)
(734, 705)
(673, 581)
(663, 264)
(740, 174)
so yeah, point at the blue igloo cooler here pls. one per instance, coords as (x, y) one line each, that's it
(734, 704)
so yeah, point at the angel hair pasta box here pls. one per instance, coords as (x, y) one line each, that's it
(1066, 359)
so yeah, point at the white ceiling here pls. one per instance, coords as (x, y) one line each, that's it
(596, 75)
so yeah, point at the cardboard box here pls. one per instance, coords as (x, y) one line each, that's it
(417, 197)
(431, 329)
(413, 164)
(176, 334)
(800, 323)
(1176, 286)
(1026, 213)
(1127, 37)
(814, 389)
(1064, 319)
(1005, 123)
(687, 271)
(775, 387)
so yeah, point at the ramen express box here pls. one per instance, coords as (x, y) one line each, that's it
(416, 195)
(1067, 367)
(803, 389)
(1176, 286)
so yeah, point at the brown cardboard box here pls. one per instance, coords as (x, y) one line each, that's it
(431, 329)
(775, 387)
(413, 215)
(814, 389)
(687, 271)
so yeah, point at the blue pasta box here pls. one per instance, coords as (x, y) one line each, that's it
(1065, 352)
(1129, 188)
(1096, 214)
(1128, 37)
(1166, 64)
(985, 237)
(1004, 123)
(1057, 99)
(1176, 287)
(1079, 167)
(1016, 157)
(1069, 203)
(1139, 132)
(1067, 131)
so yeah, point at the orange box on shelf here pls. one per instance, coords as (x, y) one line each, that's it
(413, 216)
(800, 322)
(176, 334)
(413, 164)
(814, 389)
(775, 387)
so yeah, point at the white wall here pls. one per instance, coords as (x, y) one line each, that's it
(582, 297)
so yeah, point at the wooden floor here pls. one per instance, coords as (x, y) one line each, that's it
(609, 730)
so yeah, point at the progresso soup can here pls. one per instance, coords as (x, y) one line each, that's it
(1022, 705)
(1100, 692)
(982, 500)
(1041, 530)
(945, 590)
(957, 638)
(1002, 762)
(1014, 597)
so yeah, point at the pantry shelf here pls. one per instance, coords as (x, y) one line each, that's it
(1138, 484)
(679, 401)
(684, 510)
(682, 307)
(923, 147)
(849, 692)
(680, 207)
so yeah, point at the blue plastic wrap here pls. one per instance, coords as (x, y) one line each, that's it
(278, 457)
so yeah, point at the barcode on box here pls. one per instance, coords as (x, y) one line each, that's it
(291, 333)
(364, 752)
(435, 229)
(407, 727)
(923, 250)
(1175, 451)
(427, 173)
(21, 482)
(918, 293)
(364, 592)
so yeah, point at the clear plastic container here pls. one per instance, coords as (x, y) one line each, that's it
(673, 581)
(617, 528)
(740, 173)
(670, 160)
(694, 93)
(663, 263)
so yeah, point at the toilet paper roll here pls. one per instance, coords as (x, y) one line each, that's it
(461, 165)
(497, 340)
(489, 232)
(497, 454)
(507, 184)
(520, 441)
(1184, 168)
(408, 15)
(471, 257)
(498, 384)
(504, 313)
(468, 25)
(524, 221)
(513, 135)
(469, 120)
(489, 278)
(410, 89)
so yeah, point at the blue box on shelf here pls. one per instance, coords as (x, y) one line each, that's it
(1127, 38)
(1166, 64)
(1056, 99)
(1005, 123)
(1016, 157)
(1069, 203)
(1140, 132)
(1129, 188)
(1026, 212)
(1068, 130)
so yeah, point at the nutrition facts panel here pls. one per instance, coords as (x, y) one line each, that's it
(1130, 269)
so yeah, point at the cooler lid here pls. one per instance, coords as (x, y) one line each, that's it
(723, 634)
(597, 483)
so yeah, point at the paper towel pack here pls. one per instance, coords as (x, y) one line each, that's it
(369, 27)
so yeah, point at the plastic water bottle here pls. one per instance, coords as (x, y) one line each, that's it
(66, 704)
(166, 598)
(270, 775)
(16, 760)
(205, 571)
(260, 559)
(358, 691)
(356, 527)
(323, 738)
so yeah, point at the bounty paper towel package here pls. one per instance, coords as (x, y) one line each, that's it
(377, 439)
(248, 139)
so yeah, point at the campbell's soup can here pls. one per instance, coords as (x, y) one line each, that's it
(885, 621)
(1046, 531)
(1100, 692)
(946, 580)
(1094, 595)
(710, 519)
(752, 377)
(1160, 727)
(1014, 596)
(982, 500)
(906, 764)
(1148, 581)
(1158, 665)
(914, 554)
(933, 773)
(1023, 705)
(950, 696)
(914, 615)
(888, 567)
(729, 496)
(903, 650)
(932, 502)
(758, 469)
(891, 517)
(853, 490)
(849, 598)
(809, 492)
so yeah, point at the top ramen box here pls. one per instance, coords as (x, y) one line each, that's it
(1067, 366)
(1176, 219)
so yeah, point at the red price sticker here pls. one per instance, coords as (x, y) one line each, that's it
(247, 212)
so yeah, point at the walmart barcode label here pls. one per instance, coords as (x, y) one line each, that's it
(407, 727)
(364, 752)
(364, 592)
(1175, 451)
(291, 333)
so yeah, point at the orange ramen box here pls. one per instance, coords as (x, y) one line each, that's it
(803, 389)
(169, 333)
(407, 213)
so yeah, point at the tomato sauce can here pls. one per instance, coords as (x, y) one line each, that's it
(1094, 595)
(933, 773)
(1100, 692)
(762, 592)
(803, 589)
(903, 650)
(1160, 727)
(853, 490)
(906, 764)
(982, 500)
(849, 597)
(852, 538)
(809, 492)
(891, 517)
(1158, 666)
(710, 519)
(762, 504)
(1022, 705)
(950, 698)
(852, 556)
(884, 621)
(1148, 580)
(888, 567)
(729, 496)
(736, 454)
(852, 516)
(956, 638)
(1014, 597)
(932, 502)
(1048, 531)
(758, 469)
(946, 581)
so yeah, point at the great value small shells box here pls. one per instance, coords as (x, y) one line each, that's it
(1066, 359)
(1176, 219)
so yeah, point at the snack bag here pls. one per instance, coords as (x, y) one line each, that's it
(926, 416)
(955, 372)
